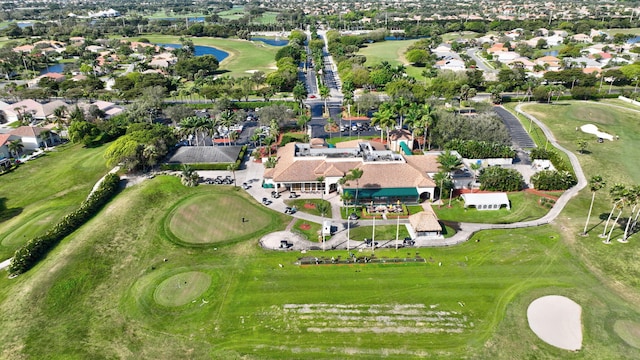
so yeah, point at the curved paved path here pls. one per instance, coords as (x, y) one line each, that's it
(339, 239)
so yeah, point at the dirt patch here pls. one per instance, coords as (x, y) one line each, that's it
(309, 206)
(304, 227)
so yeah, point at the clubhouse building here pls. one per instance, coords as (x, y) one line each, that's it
(387, 177)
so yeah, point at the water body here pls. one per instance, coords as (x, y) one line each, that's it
(272, 42)
(202, 50)
(191, 19)
(23, 25)
(57, 68)
(551, 53)
(633, 40)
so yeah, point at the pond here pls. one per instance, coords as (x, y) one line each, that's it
(551, 53)
(202, 50)
(633, 40)
(56, 68)
(272, 42)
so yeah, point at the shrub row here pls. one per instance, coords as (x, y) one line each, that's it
(35, 249)
(553, 180)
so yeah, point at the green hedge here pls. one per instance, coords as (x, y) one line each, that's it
(28, 255)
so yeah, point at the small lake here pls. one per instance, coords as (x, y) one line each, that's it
(633, 40)
(551, 53)
(272, 42)
(57, 68)
(202, 50)
(191, 19)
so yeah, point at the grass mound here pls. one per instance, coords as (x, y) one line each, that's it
(214, 218)
(182, 288)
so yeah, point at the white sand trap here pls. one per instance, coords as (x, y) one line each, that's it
(251, 71)
(556, 320)
(592, 129)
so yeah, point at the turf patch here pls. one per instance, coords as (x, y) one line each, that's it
(629, 331)
(182, 288)
(214, 218)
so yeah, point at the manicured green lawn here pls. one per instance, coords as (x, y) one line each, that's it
(244, 56)
(40, 192)
(213, 218)
(163, 14)
(393, 53)
(310, 206)
(524, 207)
(307, 229)
(118, 286)
(614, 161)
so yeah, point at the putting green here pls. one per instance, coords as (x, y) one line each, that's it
(182, 288)
(213, 218)
(629, 331)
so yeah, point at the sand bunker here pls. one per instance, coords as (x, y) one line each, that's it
(556, 320)
(592, 129)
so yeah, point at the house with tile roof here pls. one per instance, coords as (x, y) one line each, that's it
(5, 139)
(34, 137)
(387, 177)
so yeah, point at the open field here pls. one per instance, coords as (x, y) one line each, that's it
(40, 192)
(243, 55)
(118, 287)
(610, 159)
(164, 15)
(107, 292)
(392, 52)
(524, 207)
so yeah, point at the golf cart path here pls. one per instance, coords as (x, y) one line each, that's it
(466, 230)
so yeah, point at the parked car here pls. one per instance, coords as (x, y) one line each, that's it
(353, 216)
(290, 210)
(266, 201)
(293, 195)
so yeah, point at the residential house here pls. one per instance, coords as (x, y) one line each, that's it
(5, 139)
(34, 137)
(550, 63)
(450, 64)
(30, 108)
(401, 141)
(57, 77)
(581, 38)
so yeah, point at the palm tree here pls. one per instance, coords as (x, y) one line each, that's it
(324, 95)
(595, 183)
(233, 167)
(426, 122)
(383, 118)
(320, 179)
(189, 177)
(632, 197)
(618, 193)
(255, 138)
(59, 113)
(449, 161)
(150, 155)
(400, 106)
(15, 147)
(227, 119)
(475, 167)
(303, 120)
(353, 175)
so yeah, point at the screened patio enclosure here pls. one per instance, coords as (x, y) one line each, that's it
(386, 196)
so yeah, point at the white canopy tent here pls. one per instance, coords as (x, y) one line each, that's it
(486, 201)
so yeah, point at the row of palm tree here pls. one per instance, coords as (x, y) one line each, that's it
(622, 196)
(418, 117)
(200, 127)
(353, 175)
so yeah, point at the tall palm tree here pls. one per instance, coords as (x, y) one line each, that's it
(618, 193)
(233, 167)
(324, 95)
(428, 118)
(401, 106)
(227, 118)
(384, 117)
(353, 175)
(595, 183)
(632, 197)
(15, 147)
